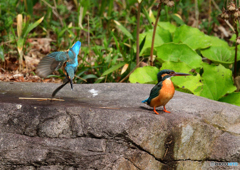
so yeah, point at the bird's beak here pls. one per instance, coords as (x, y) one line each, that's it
(180, 74)
(71, 83)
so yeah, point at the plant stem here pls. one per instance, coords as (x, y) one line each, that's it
(138, 23)
(196, 13)
(154, 32)
(236, 44)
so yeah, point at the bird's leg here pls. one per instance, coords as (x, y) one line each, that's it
(154, 109)
(165, 110)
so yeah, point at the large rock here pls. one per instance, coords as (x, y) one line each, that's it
(105, 126)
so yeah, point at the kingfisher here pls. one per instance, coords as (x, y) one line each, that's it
(56, 60)
(163, 91)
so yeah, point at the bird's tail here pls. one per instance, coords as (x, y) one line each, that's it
(145, 101)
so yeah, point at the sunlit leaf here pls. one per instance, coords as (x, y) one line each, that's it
(161, 36)
(193, 37)
(124, 68)
(167, 26)
(185, 82)
(219, 54)
(113, 68)
(177, 19)
(123, 29)
(233, 98)
(31, 26)
(147, 74)
(178, 53)
(217, 81)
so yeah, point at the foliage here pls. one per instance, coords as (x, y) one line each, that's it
(108, 32)
(211, 79)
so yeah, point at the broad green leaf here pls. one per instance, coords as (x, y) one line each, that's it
(217, 81)
(147, 74)
(124, 30)
(113, 68)
(2, 53)
(161, 36)
(178, 53)
(193, 37)
(185, 82)
(233, 98)
(31, 26)
(215, 41)
(219, 54)
(167, 26)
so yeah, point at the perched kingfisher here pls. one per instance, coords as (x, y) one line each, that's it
(163, 91)
(56, 60)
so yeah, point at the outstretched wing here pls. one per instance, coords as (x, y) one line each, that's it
(51, 62)
(155, 91)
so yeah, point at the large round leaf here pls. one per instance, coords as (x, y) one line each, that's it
(178, 52)
(219, 51)
(233, 98)
(217, 81)
(219, 54)
(143, 75)
(184, 82)
(193, 37)
(161, 36)
(167, 26)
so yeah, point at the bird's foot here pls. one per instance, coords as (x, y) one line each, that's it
(165, 110)
(154, 109)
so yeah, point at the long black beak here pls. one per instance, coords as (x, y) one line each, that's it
(71, 83)
(180, 74)
(59, 88)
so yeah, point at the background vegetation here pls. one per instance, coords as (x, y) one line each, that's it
(196, 37)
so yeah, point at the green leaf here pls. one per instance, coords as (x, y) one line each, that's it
(2, 53)
(147, 74)
(233, 98)
(89, 76)
(123, 29)
(193, 37)
(161, 36)
(217, 42)
(31, 26)
(177, 19)
(217, 81)
(219, 54)
(184, 82)
(178, 53)
(167, 26)
(113, 68)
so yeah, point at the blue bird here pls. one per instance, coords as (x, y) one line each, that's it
(163, 91)
(56, 60)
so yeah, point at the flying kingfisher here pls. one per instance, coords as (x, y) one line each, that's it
(163, 91)
(56, 60)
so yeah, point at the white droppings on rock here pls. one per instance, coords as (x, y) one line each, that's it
(94, 92)
(19, 106)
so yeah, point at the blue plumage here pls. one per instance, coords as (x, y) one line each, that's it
(145, 101)
(55, 61)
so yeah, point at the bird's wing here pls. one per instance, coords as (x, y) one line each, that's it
(51, 62)
(155, 91)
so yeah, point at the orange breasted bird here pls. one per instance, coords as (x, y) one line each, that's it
(163, 91)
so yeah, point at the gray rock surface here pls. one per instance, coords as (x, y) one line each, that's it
(105, 126)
